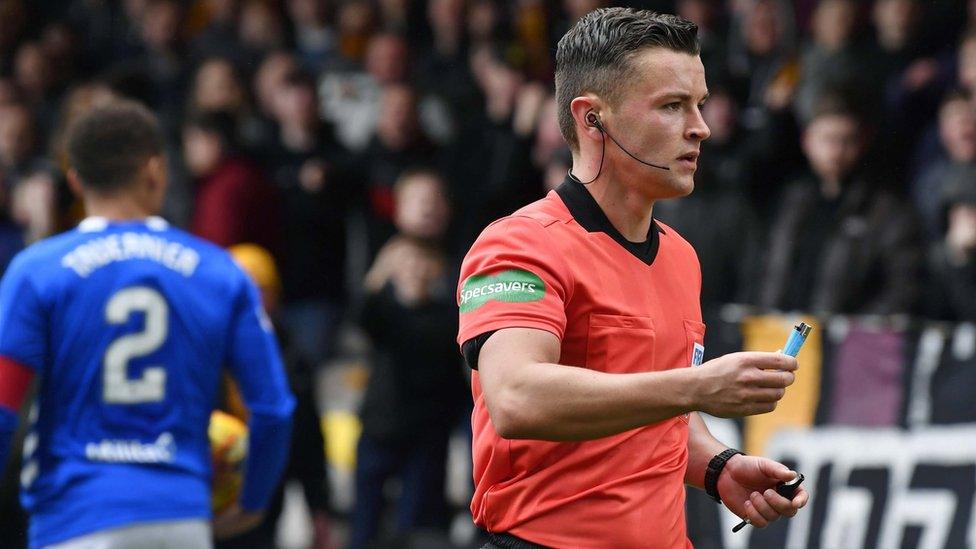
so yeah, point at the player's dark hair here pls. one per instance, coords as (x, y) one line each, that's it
(595, 55)
(108, 145)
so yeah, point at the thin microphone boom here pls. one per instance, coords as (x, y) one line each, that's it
(593, 119)
(621, 147)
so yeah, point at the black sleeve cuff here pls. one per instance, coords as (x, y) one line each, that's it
(471, 349)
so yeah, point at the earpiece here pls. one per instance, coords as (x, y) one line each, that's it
(594, 120)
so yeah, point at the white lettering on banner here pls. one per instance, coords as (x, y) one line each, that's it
(932, 345)
(876, 486)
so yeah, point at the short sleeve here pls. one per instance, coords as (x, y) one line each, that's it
(513, 277)
(23, 318)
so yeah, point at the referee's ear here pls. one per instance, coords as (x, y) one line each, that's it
(583, 109)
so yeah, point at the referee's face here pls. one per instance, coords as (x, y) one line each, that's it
(659, 116)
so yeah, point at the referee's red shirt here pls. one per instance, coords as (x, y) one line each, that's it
(559, 265)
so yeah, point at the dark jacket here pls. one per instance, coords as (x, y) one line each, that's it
(858, 253)
(416, 381)
(951, 289)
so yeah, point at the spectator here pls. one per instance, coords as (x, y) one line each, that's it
(906, 69)
(839, 244)
(501, 177)
(219, 38)
(267, 83)
(233, 203)
(315, 40)
(717, 219)
(897, 24)
(914, 99)
(442, 71)
(416, 388)
(484, 24)
(762, 74)
(446, 21)
(13, 19)
(835, 60)
(556, 169)
(351, 100)
(966, 61)
(306, 460)
(399, 16)
(355, 24)
(952, 260)
(548, 140)
(26, 175)
(762, 54)
(712, 32)
(33, 74)
(218, 86)
(9, 92)
(315, 190)
(399, 143)
(261, 29)
(158, 73)
(59, 42)
(957, 136)
(20, 144)
(109, 31)
(530, 28)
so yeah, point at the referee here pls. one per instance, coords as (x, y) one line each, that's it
(580, 316)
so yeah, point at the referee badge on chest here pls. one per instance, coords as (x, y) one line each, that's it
(695, 338)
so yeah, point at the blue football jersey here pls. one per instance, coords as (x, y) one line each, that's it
(128, 326)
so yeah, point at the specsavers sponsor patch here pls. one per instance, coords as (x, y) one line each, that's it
(509, 286)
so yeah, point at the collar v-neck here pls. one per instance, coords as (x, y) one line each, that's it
(591, 217)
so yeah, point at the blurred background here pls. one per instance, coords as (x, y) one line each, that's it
(351, 150)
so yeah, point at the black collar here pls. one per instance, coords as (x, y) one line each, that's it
(590, 216)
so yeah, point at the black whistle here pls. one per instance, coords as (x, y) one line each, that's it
(786, 489)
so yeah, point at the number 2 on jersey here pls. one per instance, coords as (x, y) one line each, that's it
(151, 387)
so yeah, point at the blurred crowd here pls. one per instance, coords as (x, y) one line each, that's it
(365, 144)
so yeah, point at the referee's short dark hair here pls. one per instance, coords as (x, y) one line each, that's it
(108, 145)
(595, 55)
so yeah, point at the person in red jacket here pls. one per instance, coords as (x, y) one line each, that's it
(234, 202)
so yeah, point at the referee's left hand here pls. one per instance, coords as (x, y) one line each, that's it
(747, 487)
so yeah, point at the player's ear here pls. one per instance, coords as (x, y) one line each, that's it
(156, 171)
(74, 183)
(586, 112)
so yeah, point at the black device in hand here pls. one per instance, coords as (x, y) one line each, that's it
(787, 489)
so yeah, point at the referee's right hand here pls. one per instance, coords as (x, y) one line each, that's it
(742, 384)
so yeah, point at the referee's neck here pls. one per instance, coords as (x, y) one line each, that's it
(628, 210)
